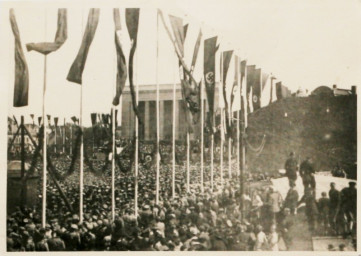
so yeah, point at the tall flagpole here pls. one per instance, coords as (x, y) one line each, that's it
(113, 162)
(230, 142)
(81, 173)
(136, 138)
(43, 220)
(221, 131)
(212, 154)
(238, 66)
(173, 131)
(55, 126)
(157, 107)
(202, 135)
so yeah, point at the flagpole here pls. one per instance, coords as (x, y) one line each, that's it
(202, 135)
(81, 174)
(230, 142)
(157, 110)
(221, 131)
(113, 162)
(64, 137)
(71, 139)
(136, 139)
(44, 151)
(55, 138)
(173, 132)
(238, 66)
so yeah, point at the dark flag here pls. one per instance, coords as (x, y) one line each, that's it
(209, 70)
(132, 21)
(250, 81)
(60, 36)
(32, 117)
(93, 117)
(21, 88)
(243, 91)
(190, 88)
(104, 119)
(226, 61)
(257, 89)
(235, 82)
(39, 120)
(74, 119)
(279, 90)
(77, 68)
(56, 121)
(121, 64)
(49, 118)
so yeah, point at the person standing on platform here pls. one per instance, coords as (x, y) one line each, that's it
(291, 168)
(311, 208)
(334, 207)
(307, 172)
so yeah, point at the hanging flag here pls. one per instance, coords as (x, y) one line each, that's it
(209, 70)
(243, 91)
(77, 68)
(132, 21)
(121, 63)
(196, 50)
(226, 61)
(93, 117)
(56, 121)
(32, 117)
(235, 82)
(60, 36)
(279, 90)
(250, 81)
(190, 88)
(21, 84)
(39, 120)
(16, 121)
(266, 89)
(257, 89)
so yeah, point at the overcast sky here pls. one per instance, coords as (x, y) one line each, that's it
(304, 44)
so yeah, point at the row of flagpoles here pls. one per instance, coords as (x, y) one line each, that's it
(189, 87)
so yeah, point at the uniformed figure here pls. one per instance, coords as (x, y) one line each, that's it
(292, 199)
(323, 208)
(291, 167)
(307, 173)
(348, 206)
(334, 208)
(311, 208)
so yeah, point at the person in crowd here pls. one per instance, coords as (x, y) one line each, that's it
(291, 167)
(273, 238)
(323, 209)
(285, 227)
(275, 202)
(311, 209)
(334, 209)
(261, 243)
(348, 207)
(291, 199)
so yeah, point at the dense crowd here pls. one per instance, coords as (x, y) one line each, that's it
(213, 220)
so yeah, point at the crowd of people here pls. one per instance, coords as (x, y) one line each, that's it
(218, 219)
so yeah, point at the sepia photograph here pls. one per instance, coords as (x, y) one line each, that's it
(180, 125)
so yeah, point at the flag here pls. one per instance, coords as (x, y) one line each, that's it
(60, 36)
(21, 87)
(235, 82)
(121, 63)
(250, 81)
(190, 88)
(279, 90)
(257, 89)
(196, 50)
(93, 117)
(74, 119)
(226, 61)
(243, 91)
(132, 21)
(266, 89)
(77, 68)
(39, 120)
(32, 117)
(273, 96)
(56, 121)
(209, 69)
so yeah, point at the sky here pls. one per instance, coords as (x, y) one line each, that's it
(304, 44)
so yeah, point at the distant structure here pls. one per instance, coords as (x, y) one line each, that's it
(334, 91)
